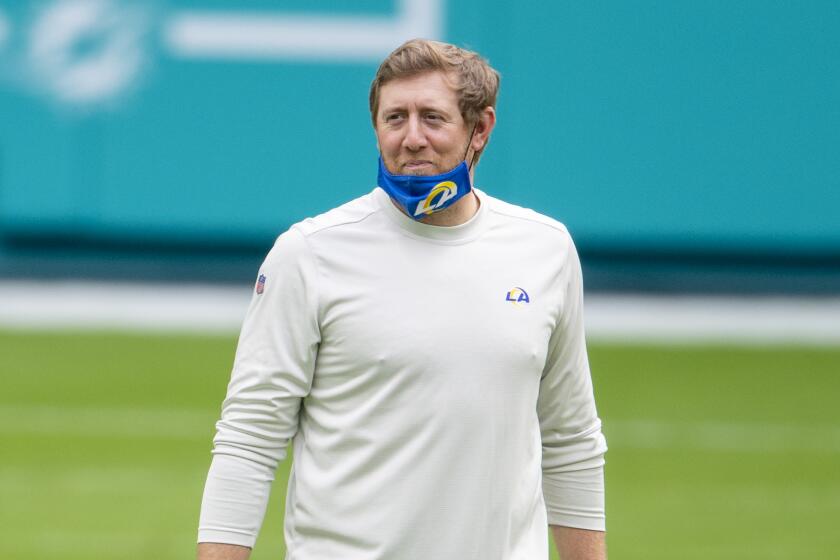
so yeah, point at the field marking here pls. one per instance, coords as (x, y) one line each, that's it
(272, 35)
(172, 423)
(723, 436)
(609, 318)
(40, 540)
(128, 422)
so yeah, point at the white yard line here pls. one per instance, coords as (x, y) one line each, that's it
(171, 423)
(66, 421)
(214, 309)
(743, 437)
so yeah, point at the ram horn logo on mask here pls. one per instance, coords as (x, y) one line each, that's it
(446, 190)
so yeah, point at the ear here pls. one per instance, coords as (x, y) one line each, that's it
(483, 127)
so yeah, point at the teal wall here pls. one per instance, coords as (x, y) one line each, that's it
(674, 125)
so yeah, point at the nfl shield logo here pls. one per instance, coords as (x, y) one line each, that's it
(261, 284)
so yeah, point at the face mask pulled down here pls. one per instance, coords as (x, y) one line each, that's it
(422, 195)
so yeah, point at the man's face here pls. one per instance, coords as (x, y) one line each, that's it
(419, 128)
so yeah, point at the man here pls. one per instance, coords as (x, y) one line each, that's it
(423, 348)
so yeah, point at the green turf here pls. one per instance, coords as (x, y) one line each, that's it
(715, 453)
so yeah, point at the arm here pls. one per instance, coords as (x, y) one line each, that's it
(272, 373)
(573, 446)
(218, 551)
(579, 544)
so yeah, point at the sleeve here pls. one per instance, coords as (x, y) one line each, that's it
(572, 443)
(272, 373)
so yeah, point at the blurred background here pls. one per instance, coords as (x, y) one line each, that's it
(151, 151)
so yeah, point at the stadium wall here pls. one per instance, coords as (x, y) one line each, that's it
(682, 142)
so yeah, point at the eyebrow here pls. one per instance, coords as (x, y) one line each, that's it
(422, 107)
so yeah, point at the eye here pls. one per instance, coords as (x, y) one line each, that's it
(393, 117)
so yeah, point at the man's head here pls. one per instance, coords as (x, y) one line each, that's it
(460, 81)
(475, 82)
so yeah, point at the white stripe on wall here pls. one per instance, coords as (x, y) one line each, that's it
(215, 309)
(271, 35)
(714, 319)
(5, 28)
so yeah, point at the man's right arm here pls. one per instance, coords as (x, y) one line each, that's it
(272, 373)
(218, 551)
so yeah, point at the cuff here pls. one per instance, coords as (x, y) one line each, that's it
(226, 537)
(576, 499)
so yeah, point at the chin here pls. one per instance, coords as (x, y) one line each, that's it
(421, 172)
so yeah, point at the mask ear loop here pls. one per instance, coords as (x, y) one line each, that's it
(469, 165)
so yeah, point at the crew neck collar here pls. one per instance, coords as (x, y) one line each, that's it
(447, 234)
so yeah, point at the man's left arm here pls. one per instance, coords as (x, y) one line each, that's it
(579, 544)
(573, 446)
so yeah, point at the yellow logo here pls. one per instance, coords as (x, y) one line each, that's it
(446, 190)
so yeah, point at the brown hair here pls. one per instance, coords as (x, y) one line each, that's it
(476, 86)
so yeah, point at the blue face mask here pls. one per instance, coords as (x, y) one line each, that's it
(422, 195)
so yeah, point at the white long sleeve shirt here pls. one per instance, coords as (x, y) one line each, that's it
(433, 380)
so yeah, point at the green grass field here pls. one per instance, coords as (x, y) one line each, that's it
(715, 453)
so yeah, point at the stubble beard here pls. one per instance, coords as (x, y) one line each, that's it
(434, 169)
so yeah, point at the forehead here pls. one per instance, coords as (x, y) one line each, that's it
(427, 89)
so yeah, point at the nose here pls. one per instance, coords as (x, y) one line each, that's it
(414, 139)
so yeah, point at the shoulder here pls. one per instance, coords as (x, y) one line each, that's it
(528, 220)
(350, 213)
(295, 243)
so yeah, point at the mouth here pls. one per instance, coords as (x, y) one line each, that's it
(416, 165)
